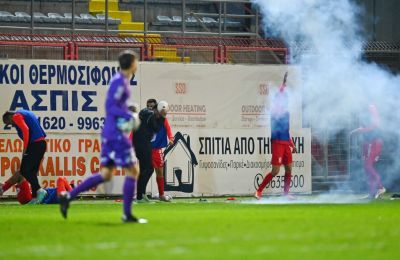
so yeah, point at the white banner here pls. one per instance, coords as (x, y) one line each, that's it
(231, 162)
(229, 101)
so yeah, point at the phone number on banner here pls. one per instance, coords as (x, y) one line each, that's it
(60, 123)
(82, 123)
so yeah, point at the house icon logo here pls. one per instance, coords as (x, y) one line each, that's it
(179, 174)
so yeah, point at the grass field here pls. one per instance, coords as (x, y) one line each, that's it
(218, 230)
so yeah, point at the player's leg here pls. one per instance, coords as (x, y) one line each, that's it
(62, 185)
(132, 174)
(24, 192)
(14, 179)
(127, 160)
(288, 163)
(158, 164)
(90, 182)
(376, 150)
(93, 181)
(372, 175)
(146, 170)
(277, 154)
(30, 167)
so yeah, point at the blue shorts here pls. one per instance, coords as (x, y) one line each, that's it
(51, 197)
(117, 153)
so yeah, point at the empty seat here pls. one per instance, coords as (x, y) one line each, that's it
(76, 18)
(59, 17)
(91, 18)
(164, 19)
(23, 15)
(209, 20)
(9, 17)
(191, 21)
(41, 18)
(230, 23)
(110, 19)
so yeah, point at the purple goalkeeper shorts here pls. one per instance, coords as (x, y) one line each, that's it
(117, 153)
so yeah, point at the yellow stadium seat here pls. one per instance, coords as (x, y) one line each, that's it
(99, 6)
(131, 26)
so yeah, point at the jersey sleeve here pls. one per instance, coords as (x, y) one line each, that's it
(19, 121)
(115, 103)
(169, 130)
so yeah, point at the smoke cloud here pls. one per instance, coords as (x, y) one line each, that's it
(326, 39)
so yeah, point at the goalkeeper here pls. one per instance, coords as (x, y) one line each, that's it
(116, 148)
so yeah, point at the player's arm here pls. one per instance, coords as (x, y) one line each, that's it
(375, 122)
(169, 131)
(19, 121)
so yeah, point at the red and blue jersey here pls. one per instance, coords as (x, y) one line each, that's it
(28, 127)
(280, 127)
(280, 118)
(162, 137)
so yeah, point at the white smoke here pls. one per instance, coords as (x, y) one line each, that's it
(325, 40)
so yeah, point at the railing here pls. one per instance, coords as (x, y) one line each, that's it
(149, 48)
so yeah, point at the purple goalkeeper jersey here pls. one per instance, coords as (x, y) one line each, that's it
(116, 107)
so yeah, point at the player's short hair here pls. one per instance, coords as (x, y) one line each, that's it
(151, 100)
(126, 58)
(7, 115)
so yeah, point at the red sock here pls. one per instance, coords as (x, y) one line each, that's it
(6, 186)
(160, 185)
(264, 183)
(286, 184)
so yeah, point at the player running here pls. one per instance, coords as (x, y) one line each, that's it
(29, 130)
(24, 191)
(116, 148)
(163, 139)
(282, 144)
(372, 149)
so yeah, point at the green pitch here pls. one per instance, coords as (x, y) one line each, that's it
(189, 230)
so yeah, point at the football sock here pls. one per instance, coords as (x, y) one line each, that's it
(129, 191)
(160, 185)
(286, 184)
(264, 183)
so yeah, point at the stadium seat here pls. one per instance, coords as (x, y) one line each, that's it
(165, 20)
(110, 19)
(9, 17)
(23, 15)
(210, 22)
(192, 21)
(59, 17)
(176, 20)
(92, 19)
(230, 23)
(77, 18)
(41, 18)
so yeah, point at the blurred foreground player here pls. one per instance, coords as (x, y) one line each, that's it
(24, 191)
(163, 138)
(116, 148)
(372, 149)
(282, 144)
(29, 130)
